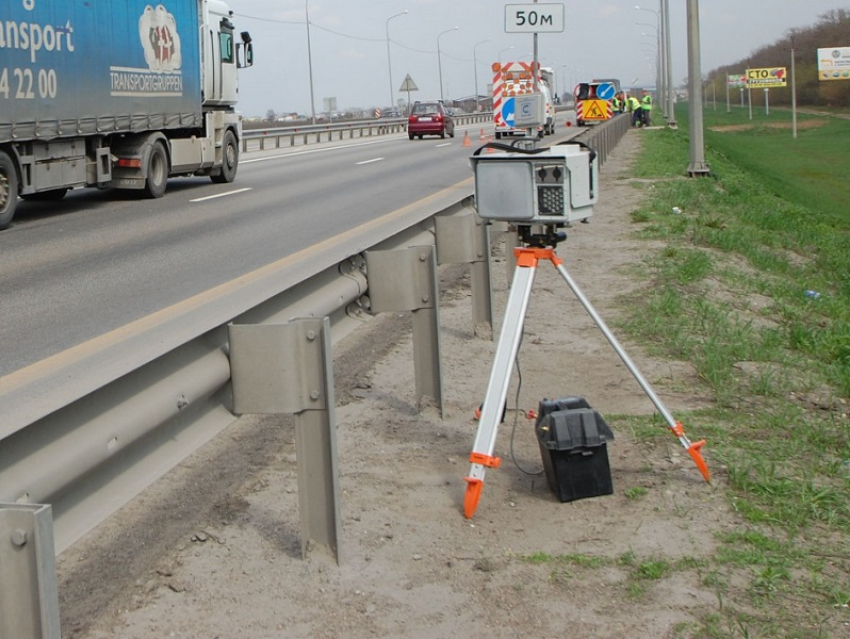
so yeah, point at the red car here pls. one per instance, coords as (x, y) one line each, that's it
(430, 118)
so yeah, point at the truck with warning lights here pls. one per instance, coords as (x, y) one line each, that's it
(512, 79)
(116, 95)
(593, 101)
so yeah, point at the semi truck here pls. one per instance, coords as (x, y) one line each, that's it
(117, 95)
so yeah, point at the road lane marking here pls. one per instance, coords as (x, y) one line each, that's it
(306, 151)
(443, 144)
(370, 161)
(62, 363)
(212, 197)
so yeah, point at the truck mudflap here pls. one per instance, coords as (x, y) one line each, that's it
(142, 163)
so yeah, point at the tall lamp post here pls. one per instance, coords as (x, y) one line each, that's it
(659, 66)
(389, 60)
(660, 56)
(440, 60)
(475, 67)
(310, 64)
(697, 164)
(668, 64)
(502, 51)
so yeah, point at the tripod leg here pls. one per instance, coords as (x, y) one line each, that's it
(497, 387)
(676, 427)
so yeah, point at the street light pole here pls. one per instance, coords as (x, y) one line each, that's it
(659, 56)
(502, 51)
(475, 67)
(668, 65)
(440, 60)
(697, 164)
(310, 64)
(389, 60)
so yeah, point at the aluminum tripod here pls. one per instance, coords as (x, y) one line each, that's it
(506, 352)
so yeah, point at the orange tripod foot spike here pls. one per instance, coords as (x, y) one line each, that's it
(696, 455)
(473, 494)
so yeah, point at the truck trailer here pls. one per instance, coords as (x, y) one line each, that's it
(116, 95)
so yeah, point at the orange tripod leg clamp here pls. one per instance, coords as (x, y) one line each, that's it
(485, 460)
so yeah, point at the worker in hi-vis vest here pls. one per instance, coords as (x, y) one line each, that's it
(646, 108)
(634, 108)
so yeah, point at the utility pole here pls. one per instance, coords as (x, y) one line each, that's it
(697, 166)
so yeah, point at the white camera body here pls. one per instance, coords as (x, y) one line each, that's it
(555, 186)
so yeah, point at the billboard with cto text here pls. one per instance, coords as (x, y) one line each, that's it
(834, 63)
(769, 78)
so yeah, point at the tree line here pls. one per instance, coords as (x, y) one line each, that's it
(831, 30)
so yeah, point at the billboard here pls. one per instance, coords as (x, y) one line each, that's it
(736, 81)
(834, 63)
(769, 78)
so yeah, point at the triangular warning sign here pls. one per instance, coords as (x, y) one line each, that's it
(408, 84)
(594, 111)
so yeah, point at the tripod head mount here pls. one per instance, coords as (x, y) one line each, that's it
(541, 236)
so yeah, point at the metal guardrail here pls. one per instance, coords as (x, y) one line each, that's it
(89, 428)
(277, 137)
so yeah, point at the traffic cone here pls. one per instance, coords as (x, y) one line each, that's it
(490, 149)
(466, 140)
(483, 137)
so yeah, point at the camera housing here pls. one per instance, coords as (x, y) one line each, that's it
(553, 186)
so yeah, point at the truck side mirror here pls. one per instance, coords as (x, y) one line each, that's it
(247, 57)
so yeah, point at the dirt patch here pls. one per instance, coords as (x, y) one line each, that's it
(802, 124)
(213, 550)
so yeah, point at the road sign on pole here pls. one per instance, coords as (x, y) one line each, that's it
(534, 18)
(605, 91)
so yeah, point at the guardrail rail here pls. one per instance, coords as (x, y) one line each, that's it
(88, 429)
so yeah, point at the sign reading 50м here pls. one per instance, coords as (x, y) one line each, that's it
(534, 18)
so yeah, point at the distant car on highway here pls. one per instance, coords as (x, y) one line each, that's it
(430, 118)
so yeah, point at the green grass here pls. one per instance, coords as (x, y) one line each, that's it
(728, 292)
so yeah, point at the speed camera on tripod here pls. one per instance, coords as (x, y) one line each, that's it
(552, 186)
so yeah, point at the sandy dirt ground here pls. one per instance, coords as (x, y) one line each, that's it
(213, 550)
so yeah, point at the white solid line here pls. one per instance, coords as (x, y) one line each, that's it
(443, 144)
(212, 197)
(369, 161)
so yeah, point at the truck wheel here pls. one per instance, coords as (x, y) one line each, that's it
(498, 135)
(229, 159)
(8, 190)
(157, 171)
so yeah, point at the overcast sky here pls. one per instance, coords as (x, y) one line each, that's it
(602, 38)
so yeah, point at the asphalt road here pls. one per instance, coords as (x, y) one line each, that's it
(95, 261)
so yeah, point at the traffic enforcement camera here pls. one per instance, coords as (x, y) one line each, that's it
(552, 186)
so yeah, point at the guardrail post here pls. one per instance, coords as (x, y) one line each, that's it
(406, 280)
(287, 368)
(464, 238)
(29, 600)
